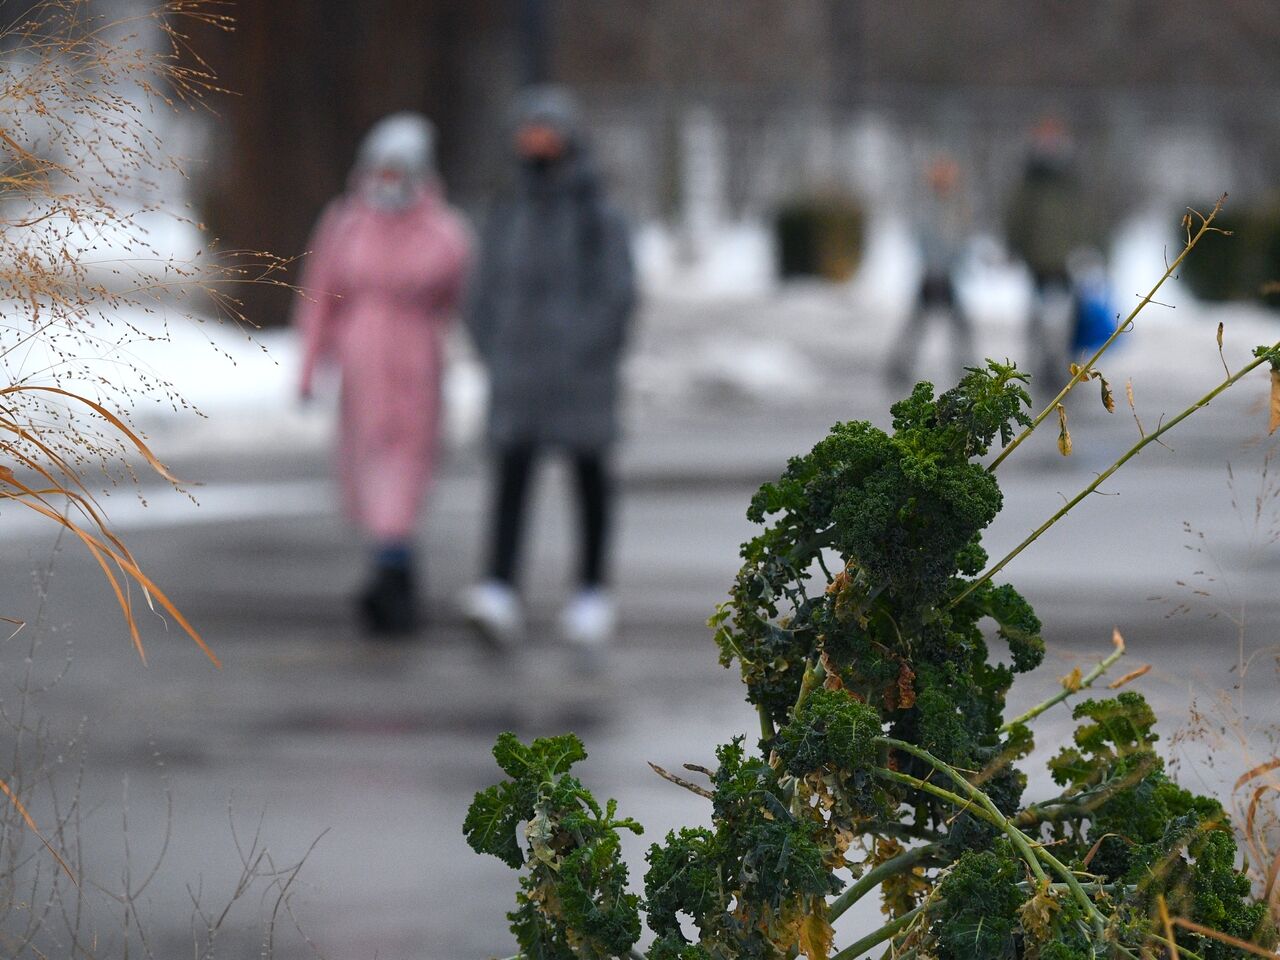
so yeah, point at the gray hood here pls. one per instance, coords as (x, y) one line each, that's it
(552, 105)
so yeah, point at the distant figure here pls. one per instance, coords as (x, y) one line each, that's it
(553, 297)
(1047, 222)
(382, 283)
(942, 226)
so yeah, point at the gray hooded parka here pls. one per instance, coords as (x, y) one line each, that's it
(552, 298)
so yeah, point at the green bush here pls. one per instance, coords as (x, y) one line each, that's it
(819, 237)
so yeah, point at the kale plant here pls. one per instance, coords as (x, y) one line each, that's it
(885, 761)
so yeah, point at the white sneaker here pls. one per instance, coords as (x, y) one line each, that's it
(493, 609)
(590, 619)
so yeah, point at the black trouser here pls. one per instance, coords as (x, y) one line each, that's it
(511, 495)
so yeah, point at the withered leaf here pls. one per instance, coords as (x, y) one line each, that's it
(1129, 677)
(1036, 914)
(1064, 435)
(816, 935)
(1275, 402)
(906, 687)
(1108, 399)
(1072, 680)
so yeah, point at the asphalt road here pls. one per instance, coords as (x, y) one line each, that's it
(313, 740)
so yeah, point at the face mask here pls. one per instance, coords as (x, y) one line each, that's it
(389, 193)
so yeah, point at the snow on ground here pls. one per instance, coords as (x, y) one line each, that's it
(720, 330)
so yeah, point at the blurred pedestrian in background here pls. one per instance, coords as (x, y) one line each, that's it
(1047, 222)
(942, 226)
(552, 299)
(382, 282)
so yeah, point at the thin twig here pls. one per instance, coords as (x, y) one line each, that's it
(1085, 682)
(681, 781)
(1128, 455)
(1082, 372)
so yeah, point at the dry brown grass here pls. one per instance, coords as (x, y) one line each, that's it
(83, 176)
(84, 181)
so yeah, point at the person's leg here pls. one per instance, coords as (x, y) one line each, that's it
(962, 329)
(493, 606)
(595, 496)
(1047, 343)
(389, 605)
(511, 494)
(590, 619)
(903, 353)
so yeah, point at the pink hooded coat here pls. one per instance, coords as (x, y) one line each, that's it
(381, 288)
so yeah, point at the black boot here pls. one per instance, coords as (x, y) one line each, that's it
(389, 605)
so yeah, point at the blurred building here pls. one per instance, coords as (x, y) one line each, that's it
(720, 110)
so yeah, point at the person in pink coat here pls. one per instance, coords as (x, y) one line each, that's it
(381, 285)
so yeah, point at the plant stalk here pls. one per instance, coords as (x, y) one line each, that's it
(1083, 371)
(871, 879)
(1020, 840)
(859, 947)
(1128, 455)
(767, 732)
(985, 807)
(1085, 682)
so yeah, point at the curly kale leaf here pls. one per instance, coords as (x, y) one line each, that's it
(966, 419)
(573, 901)
(492, 818)
(976, 910)
(1116, 742)
(669, 948)
(593, 898)
(684, 877)
(742, 784)
(830, 731)
(745, 881)
(834, 734)
(1016, 624)
(538, 940)
(781, 861)
(541, 760)
(903, 512)
(1220, 899)
(1193, 867)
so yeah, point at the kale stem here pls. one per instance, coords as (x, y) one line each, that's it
(977, 796)
(860, 947)
(871, 879)
(940, 792)
(1093, 886)
(1020, 840)
(766, 723)
(1082, 372)
(1031, 855)
(1128, 455)
(1181, 949)
(1085, 682)
(814, 674)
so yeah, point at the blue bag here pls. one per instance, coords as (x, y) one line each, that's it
(1095, 319)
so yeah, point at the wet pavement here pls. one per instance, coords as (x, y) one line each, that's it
(309, 735)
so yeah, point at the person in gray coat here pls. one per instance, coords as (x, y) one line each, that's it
(551, 302)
